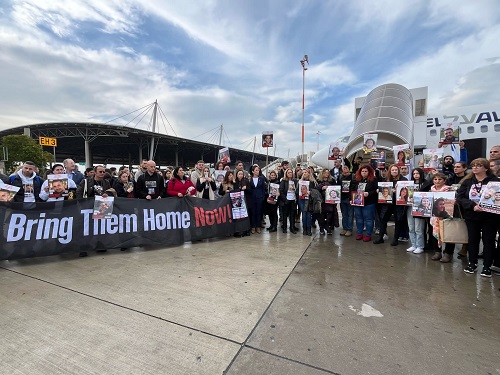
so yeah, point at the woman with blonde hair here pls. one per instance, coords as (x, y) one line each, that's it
(287, 200)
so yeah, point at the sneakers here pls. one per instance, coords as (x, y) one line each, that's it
(403, 239)
(348, 233)
(386, 237)
(418, 250)
(471, 268)
(411, 249)
(321, 231)
(495, 269)
(486, 272)
(329, 231)
(343, 233)
(359, 237)
(367, 238)
(377, 231)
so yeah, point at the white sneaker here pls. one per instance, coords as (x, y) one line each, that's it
(411, 249)
(386, 237)
(418, 250)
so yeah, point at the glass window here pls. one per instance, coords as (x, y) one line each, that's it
(420, 107)
(470, 129)
(433, 132)
(484, 128)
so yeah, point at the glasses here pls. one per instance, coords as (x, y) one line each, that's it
(100, 171)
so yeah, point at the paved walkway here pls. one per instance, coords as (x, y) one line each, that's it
(265, 304)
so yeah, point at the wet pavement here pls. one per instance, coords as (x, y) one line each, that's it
(265, 304)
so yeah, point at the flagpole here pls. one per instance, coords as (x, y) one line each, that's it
(303, 63)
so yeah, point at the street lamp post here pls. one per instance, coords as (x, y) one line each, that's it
(304, 68)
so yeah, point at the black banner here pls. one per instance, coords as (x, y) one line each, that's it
(51, 228)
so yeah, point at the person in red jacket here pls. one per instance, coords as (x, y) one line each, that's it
(179, 185)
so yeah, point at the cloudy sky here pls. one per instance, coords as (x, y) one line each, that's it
(237, 62)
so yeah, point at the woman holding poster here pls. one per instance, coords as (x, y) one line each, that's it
(385, 211)
(365, 184)
(328, 210)
(481, 225)
(306, 183)
(417, 224)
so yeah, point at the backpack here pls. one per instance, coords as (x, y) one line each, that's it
(37, 179)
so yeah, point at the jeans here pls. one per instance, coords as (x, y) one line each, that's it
(416, 230)
(306, 215)
(365, 216)
(347, 214)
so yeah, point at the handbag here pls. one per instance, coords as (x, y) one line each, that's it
(453, 230)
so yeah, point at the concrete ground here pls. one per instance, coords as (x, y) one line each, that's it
(265, 304)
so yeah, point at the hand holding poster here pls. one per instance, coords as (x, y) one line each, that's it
(422, 204)
(490, 198)
(224, 155)
(7, 192)
(267, 139)
(357, 198)
(273, 192)
(332, 194)
(103, 207)
(238, 205)
(385, 192)
(58, 185)
(336, 150)
(370, 143)
(404, 193)
(303, 189)
(433, 159)
(402, 154)
(450, 133)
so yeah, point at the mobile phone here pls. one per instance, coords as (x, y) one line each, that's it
(206, 174)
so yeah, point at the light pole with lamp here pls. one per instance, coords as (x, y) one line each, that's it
(304, 68)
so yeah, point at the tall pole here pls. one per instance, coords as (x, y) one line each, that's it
(318, 133)
(304, 68)
(152, 149)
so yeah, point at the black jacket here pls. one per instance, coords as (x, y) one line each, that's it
(284, 189)
(371, 188)
(153, 185)
(468, 205)
(17, 181)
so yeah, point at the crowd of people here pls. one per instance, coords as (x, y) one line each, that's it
(302, 198)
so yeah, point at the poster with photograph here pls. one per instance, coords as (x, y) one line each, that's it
(58, 186)
(345, 186)
(103, 207)
(332, 194)
(361, 186)
(385, 192)
(450, 132)
(224, 155)
(219, 177)
(273, 192)
(451, 149)
(433, 159)
(267, 139)
(238, 205)
(404, 193)
(303, 189)
(369, 143)
(381, 156)
(402, 154)
(490, 198)
(336, 150)
(357, 198)
(443, 204)
(422, 204)
(7, 192)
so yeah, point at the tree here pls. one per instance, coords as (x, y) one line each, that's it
(22, 148)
